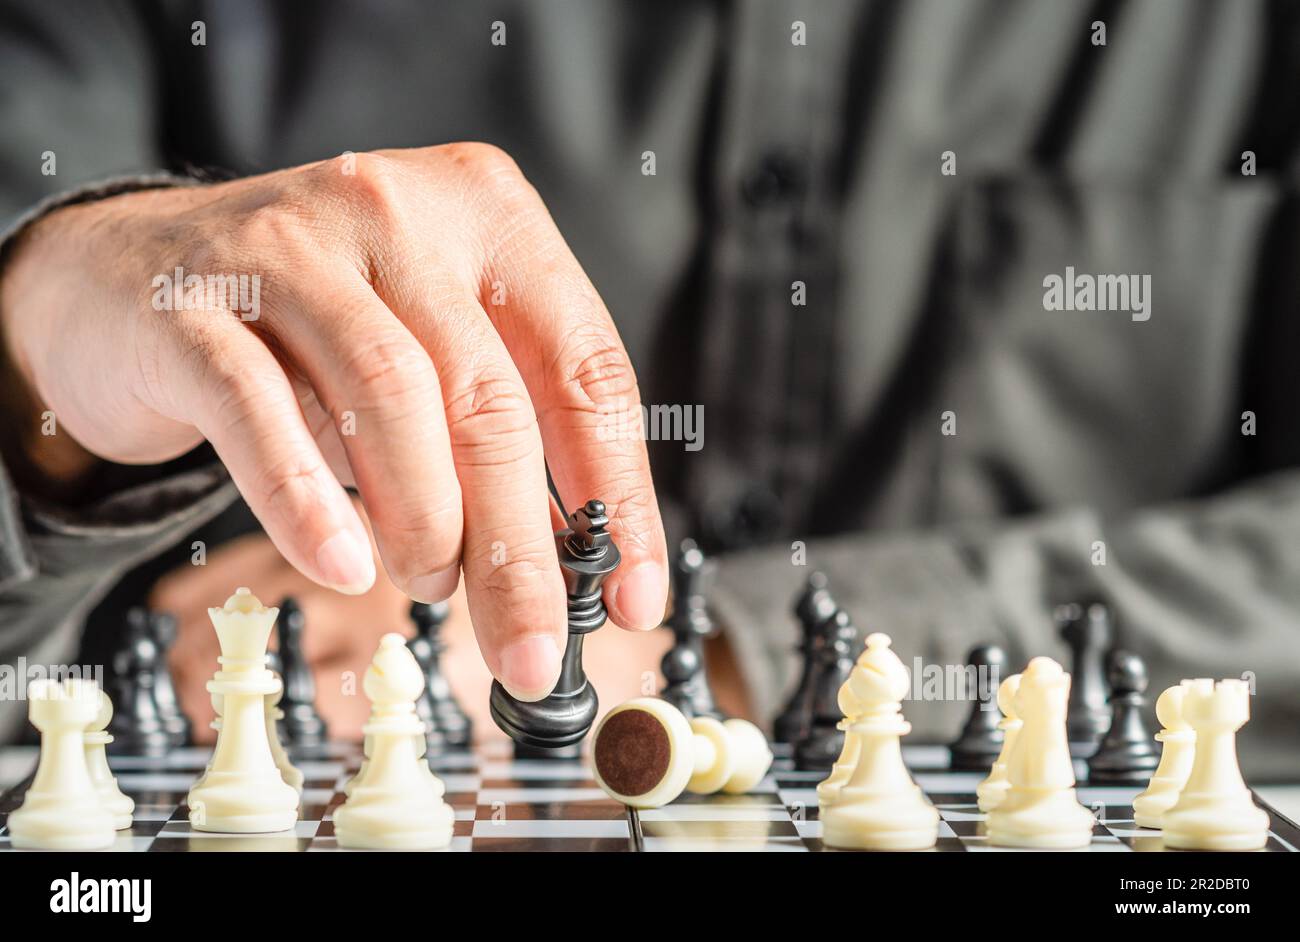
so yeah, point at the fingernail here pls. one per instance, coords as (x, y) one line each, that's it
(436, 586)
(640, 598)
(530, 668)
(346, 563)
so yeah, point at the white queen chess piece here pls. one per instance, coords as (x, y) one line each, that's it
(1175, 759)
(879, 807)
(242, 791)
(96, 740)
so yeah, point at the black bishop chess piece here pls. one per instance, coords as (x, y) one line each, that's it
(1128, 754)
(162, 627)
(686, 676)
(812, 609)
(555, 726)
(980, 741)
(137, 726)
(825, 740)
(1088, 631)
(302, 726)
(446, 724)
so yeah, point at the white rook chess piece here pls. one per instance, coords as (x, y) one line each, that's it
(1040, 808)
(645, 753)
(994, 788)
(879, 807)
(120, 806)
(1175, 759)
(62, 809)
(1214, 810)
(291, 774)
(828, 790)
(391, 804)
(242, 790)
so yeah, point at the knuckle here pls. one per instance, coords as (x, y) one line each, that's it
(389, 373)
(479, 158)
(520, 569)
(288, 481)
(374, 179)
(597, 372)
(426, 539)
(492, 408)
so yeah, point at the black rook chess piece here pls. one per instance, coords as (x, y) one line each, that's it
(137, 726)
(555, 726)
(1128, 754)
(445, 721)
(302, 726)
(162, 627)
(980, 741)
(686, 678)
(813, 609)
(825, 740)
(1088, 632)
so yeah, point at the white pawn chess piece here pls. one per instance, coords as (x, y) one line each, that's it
(291, 774)
(1175, 759)
(880, 807)
(242, 791)
(1214, 810)
(645, 753)
(1040, 808)
(120, 806)
(994, 788)
(828, 790)
(392, 804)
(62, 809)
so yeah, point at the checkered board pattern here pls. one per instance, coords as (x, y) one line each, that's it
(504, 804)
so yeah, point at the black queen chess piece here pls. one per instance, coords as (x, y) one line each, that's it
(302, 726)
(980, 742)
(139, 726)
(446, 723)
(813, 609)
(555, 726)
(686, 679)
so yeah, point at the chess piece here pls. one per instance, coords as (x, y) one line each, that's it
(686, 677)
(980, 741)
(825, 741)
(1040, 808)
(556, 725)
(96, 739)
(291, 774)
(828, 790)
(1214, 810)
(302, 726)
(812, 610)
(1126, 754)
(645, 753)
(162, 628)
(138, 726)
(446, 723)
(392, 805)
(1088, 632)
(1179, 741)
(242, 790)
(879, 807)
(994, 788)
(62, 810)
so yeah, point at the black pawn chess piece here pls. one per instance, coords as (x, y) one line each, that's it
(137, 726)
(1128, 754)
(555, 726)
(686, 678)
(813, 609)
(1088, 632)
(825, 740)
(162, 627)
(446, 723)
(980, 741)
(302, 726)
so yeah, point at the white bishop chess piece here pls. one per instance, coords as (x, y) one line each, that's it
(1214, 810)
(1040, 808)
(391, 804)
(994, 788)
(242, 791)
(1175, 759)
(62, 809)
(96, 738)
(879, 807)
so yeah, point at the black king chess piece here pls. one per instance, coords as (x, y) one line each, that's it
(445, 722)
(686, 680)
(138, 725)
(980, 742)
(1087, 630)
(302, 727)
(825, 739)
(554, 727)
(812, 609)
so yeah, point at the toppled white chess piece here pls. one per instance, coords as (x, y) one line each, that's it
(392, 804)
(96, 738)
(62, 809)
(1040, 808)
(242, 791)
(1175, 759)
(879, 807)
(1214, 810)
(291, 774)
(645, 753)
(994, 788)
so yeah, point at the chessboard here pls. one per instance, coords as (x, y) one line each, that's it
(540, 805)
